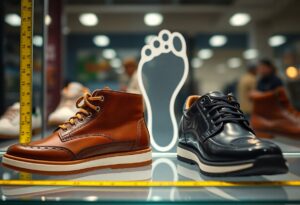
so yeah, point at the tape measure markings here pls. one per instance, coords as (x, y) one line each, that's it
(147, 183)
(26, 71)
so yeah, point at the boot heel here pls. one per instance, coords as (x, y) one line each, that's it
(264, 135)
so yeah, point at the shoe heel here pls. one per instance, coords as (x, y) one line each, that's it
(185, 160)
(183, 157)
(264, 135)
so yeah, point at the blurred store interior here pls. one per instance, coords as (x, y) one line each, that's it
(90, 42)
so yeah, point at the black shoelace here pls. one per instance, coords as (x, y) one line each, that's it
(226, 110)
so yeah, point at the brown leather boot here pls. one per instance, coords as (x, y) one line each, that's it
(108, 131)
(273, 115)
(284, 100)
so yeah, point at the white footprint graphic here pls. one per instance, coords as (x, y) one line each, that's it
(161, 45)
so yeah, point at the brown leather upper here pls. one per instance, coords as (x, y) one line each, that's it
(119, 126)
(272, 113)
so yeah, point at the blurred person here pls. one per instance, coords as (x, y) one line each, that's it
(268, 80)
(246, 85)
(130, 81)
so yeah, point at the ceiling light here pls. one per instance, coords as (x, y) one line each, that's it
(234, 62)
(291, 72)
(13, 19)
(277, 40)
(37, 41)
(149, 38)
(88, 19)
(116, 63)
(153, 19)
(250, 54)
(205, 53)
(221, 68)
(196, 63)
(109, 53)
(239, 19)
(48, 20)
(217, 40)
(101, 40)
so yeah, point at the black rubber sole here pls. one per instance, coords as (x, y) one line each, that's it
(263, 165)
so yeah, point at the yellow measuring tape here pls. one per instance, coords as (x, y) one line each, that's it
(147, 183)
(26, 71)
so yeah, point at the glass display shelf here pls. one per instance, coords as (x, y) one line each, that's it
(165, 167)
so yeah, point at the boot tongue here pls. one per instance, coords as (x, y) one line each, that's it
(215, 94)
(99, 91)
(213, 97)
(230, 97)
(218, 94)
(210, 96)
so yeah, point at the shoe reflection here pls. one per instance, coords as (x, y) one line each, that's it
(85, 193)
(193, 174)
(190, 172)
(163, 169)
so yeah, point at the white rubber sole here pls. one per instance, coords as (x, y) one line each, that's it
(211, 168)
(87, 164)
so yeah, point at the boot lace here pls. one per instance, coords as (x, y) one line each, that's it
(225, 110)
(85, 105)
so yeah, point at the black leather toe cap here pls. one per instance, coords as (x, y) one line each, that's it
(242, 148)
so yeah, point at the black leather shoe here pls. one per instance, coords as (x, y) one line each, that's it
(215, 134)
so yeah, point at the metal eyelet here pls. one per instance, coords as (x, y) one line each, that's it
(101, 98)
(204, 100)
(90, 114)
(98, 108)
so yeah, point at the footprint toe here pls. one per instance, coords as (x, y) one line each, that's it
(165, 36)
(179, 46)
(148, 52)
(156, 44)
